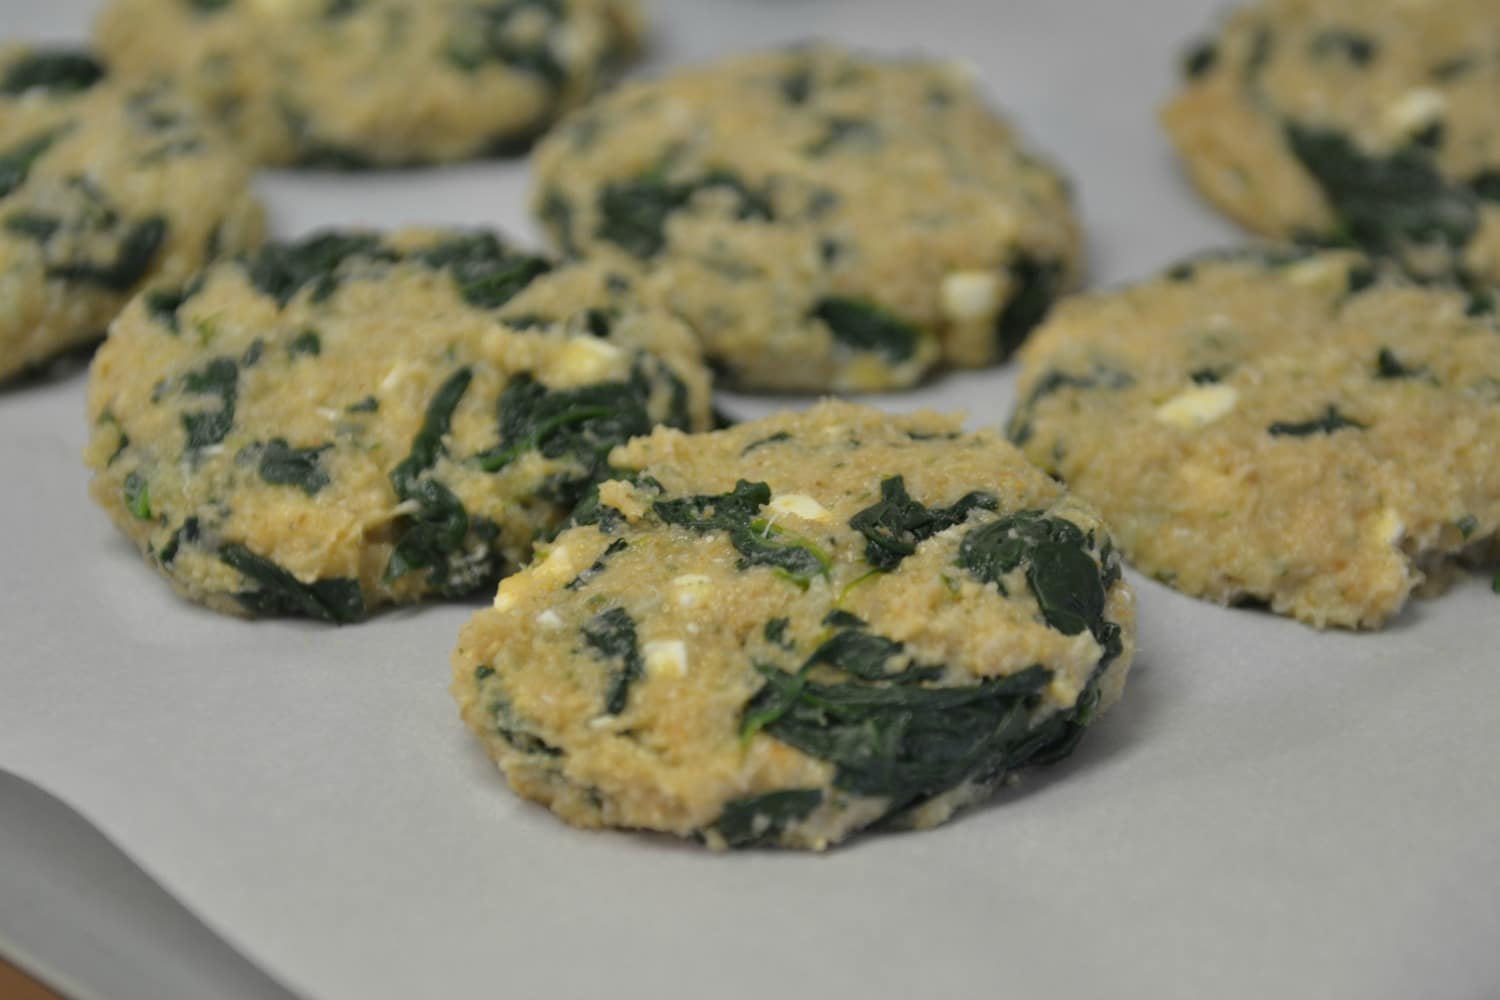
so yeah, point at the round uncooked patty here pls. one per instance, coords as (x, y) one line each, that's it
(782, 633)
(105, 187)
(1365, 122)
(353, 83)
(822, 220)
(357, 420)
(1300, 429)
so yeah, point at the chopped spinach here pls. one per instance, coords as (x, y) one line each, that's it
(1359, 49)
(188, 532)
(1200, 59)
(278, 592)
(612, 634)
(753, 538)
(633, 213)
(797, 86)
(162, 303)
(1037, 283)
(841, 130)
(556, 214)
(907, 743)
(1330, 422)
(776, 438)
(775, 632)
(583, 425)
(758, 820)
(220, 378)
(865, 326)
(1070, 588)
(283, 465)
(486, 36)
(367, 405)
(1020, 428)
(1207, 376)
(281, 270)
(33, 225)
(16, 162)
(1387, 365)
(57, 72)
(591, 574)
(1486, 185)
(1467, 525)
(306, 343)
(132, 260)
(138, 496)
(897, 524)
(208, 6)
(1385, 203)
(487, 273)
(435, 531)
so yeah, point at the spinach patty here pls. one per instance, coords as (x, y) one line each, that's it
(786, 632)
(358, 419)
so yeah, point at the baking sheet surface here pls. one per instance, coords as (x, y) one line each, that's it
(1270, 812)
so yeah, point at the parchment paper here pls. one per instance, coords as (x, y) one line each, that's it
(1271, 812)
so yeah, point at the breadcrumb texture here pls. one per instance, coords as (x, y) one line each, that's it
(757, 189)
(646, 672)
(1303, 430)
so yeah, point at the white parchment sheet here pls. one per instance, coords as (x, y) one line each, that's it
(1271, 812)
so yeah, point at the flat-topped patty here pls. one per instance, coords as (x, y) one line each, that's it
(105, 187)
(1365, 122)
(785, 632)
(357, 420)
(355, 83)
(1302, 429)
(823, 220)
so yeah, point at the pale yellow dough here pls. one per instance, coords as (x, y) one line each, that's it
(354, 83)
(614, 677)
(104, 190)
(757, 189)
(263, 413)
(1298, 429)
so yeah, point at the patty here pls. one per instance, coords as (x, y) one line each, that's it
(105, 187)
(1304, 429)
(358, 419)
(823, 220)
(1365, 123)
(785, 632)
(370, 83)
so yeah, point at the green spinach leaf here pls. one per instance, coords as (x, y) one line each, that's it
(278, 592)
(897, 524)
(758, 820)
(56, 72)
(612, 634)
(1330, 422)
(865, 326)
(283, 465)
(757, 542)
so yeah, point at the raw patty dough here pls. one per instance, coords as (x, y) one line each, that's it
(1299, 429)
(104, 188)
(359, 420)
(953, 613)
(822, 220)
(353, 83)
(1369, 122)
